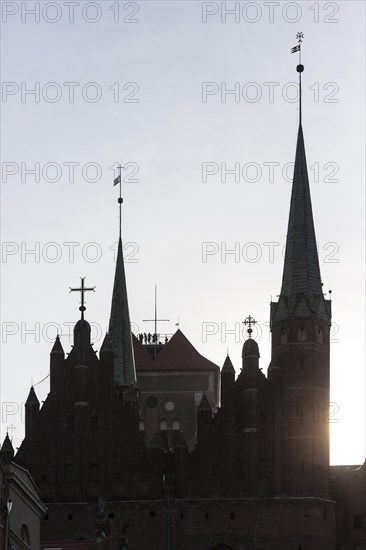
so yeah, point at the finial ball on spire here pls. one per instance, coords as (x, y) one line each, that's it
(300, 68)
(120, 200)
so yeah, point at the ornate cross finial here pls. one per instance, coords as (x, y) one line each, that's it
(249, 321)
(299, 37)
(82, 289)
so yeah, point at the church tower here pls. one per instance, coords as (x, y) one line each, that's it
(299, 369)
(119, 323)
(91, 413)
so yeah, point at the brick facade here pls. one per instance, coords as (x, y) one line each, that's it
(185, 458)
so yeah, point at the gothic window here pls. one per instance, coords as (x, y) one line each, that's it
(283, 335)
(69, 472)
(302, 334)
(141, 426)
(163, 425)
(93, 472)
(24, 534)
(176, 425)
(319, 334)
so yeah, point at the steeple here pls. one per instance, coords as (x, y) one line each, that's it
(120, 327)
(299, 371)
(57, 347)
(7, 450)
(32, 398)
(301, 292)
(119, 322)
(228, 366)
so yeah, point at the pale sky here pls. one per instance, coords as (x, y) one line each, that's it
(148, 83)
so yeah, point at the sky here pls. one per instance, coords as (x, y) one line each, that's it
(198, 102)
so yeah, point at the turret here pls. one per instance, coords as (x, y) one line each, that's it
(250, 355)
(57, 358)
(82, 332)
(180, 448)
(227, 384)
(31, 413)
(7, 451)
(204, 419)
(228, 426)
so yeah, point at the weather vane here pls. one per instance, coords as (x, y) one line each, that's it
(299, 68)
(117, 181)
(249, 321)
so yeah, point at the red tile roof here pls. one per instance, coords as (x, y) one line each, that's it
(178, 353)
(143, 359)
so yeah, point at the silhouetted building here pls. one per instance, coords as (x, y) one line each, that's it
(21, 508)
(3, 510)
(171, 387)
(183, 460)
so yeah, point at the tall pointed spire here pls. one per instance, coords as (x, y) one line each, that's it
(301, 291)
(119, 322)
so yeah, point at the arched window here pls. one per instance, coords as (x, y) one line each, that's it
(283, 335)
(176, 425)
(24, 534)
(163, 425)
(319, 334)
(93, 472)
(141, 426)
(302, 334)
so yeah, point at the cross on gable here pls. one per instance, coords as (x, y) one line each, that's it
(249, 321)
(82, 289)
